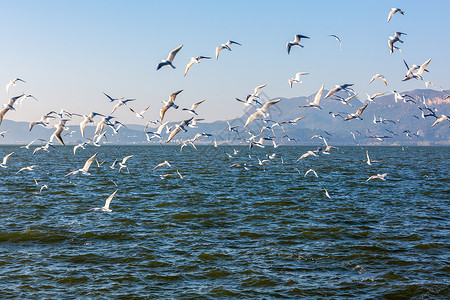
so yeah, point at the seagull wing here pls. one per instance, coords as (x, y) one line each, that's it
(124, 160)
(5, 159)
(189, 65)
(173, 53)
(318, 96)
(108, 201)
(88, 162)
(195, 105)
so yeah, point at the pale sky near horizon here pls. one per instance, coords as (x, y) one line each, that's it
(70, 52)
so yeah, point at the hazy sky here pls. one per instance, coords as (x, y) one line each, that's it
(70, 52)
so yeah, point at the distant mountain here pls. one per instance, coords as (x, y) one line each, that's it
(406, 125)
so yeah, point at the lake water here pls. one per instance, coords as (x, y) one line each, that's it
(224, 232)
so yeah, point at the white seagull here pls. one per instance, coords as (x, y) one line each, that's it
(13, 83)
(261, 111)
(85, 168)
(418, 73)
(295, 42)
(107, 202)
(169, 60)
(378, 76)
(296, 78)
(193, 107)
(168, 104)
(393, 12)
(122, 163)
(379, 176)
(5, 160)
(193, 61)
(225, 46)
(317, 98)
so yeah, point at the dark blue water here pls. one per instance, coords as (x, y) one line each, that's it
(225, 232)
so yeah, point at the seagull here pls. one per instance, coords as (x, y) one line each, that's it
(428, 83)
(357, 114)
(296, 78)
(393, 12)
(326, 193)
(3, 133)
(164, 163)
(412, 69)
(101, 125)
(4, 110)
(194, 122)
(85, 168)
(225, 46)
(111, 99)
(418, 73)
(5, 159)
(394, 39)
(13, 82)
(141, 114)
(397, 96)
(232, 128)
(122, 163)
(168, 104)
(87, 120)
(112, 166)
(178, 128)
(29, 168)
(294, 121)
(442, 118)
(338, 39)
(120, 103)
(378, 76)
(379, 176)
(306, 155)
(59, 129)
(295, 42)
(371, 98)
(169, 60)
(43, 187)
(261, 111)
(45, 147)
(193, 108)
(156, 133)
(193, 61)
(316, 101)
(369, 162)
(81, 145)
(107, 202)
(43, 121)
(344, 87)
(311, 170)
(255, 94)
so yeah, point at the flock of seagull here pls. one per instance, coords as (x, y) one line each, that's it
(342, 93)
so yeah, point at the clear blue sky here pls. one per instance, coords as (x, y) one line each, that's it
(69, 52)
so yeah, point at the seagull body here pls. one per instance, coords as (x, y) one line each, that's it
(13, 83)
(5, 160)
(29, 168)
(393, 12)
(418, 73)
(164, 163)
(311, 170)
(393, 39)
(85, 168)
(261, 111)
(88, 119)
(225, 46)
(317, 98)
(309, 153)
(59, 129)
(379, 176)
(358, 113)
(193, 61)
(178, 128)
(337, 88)
(169, 60)
(141, 114)
(296, 78)
(378, 76)
(168, 104)
(295, 42)
(193, 108)
(442, 118)
(107, 203)
(122, 163)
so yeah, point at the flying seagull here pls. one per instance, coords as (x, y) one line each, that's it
(295, 42)
(393, 12)
(317, 98)
(193, 61)
(168, 104)
(13, 82)
(169, 60)
(193, 107)
(296, 78)
(85, 168)
(261, 111)
(378, 76)
(357, 114)
(393, 39)
(5, 160)
(178, 128)
(337, 88)
(107, 202)
(379, 176)
(225, 46)
(418, 73)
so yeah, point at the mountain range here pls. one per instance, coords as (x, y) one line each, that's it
(404, 124)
